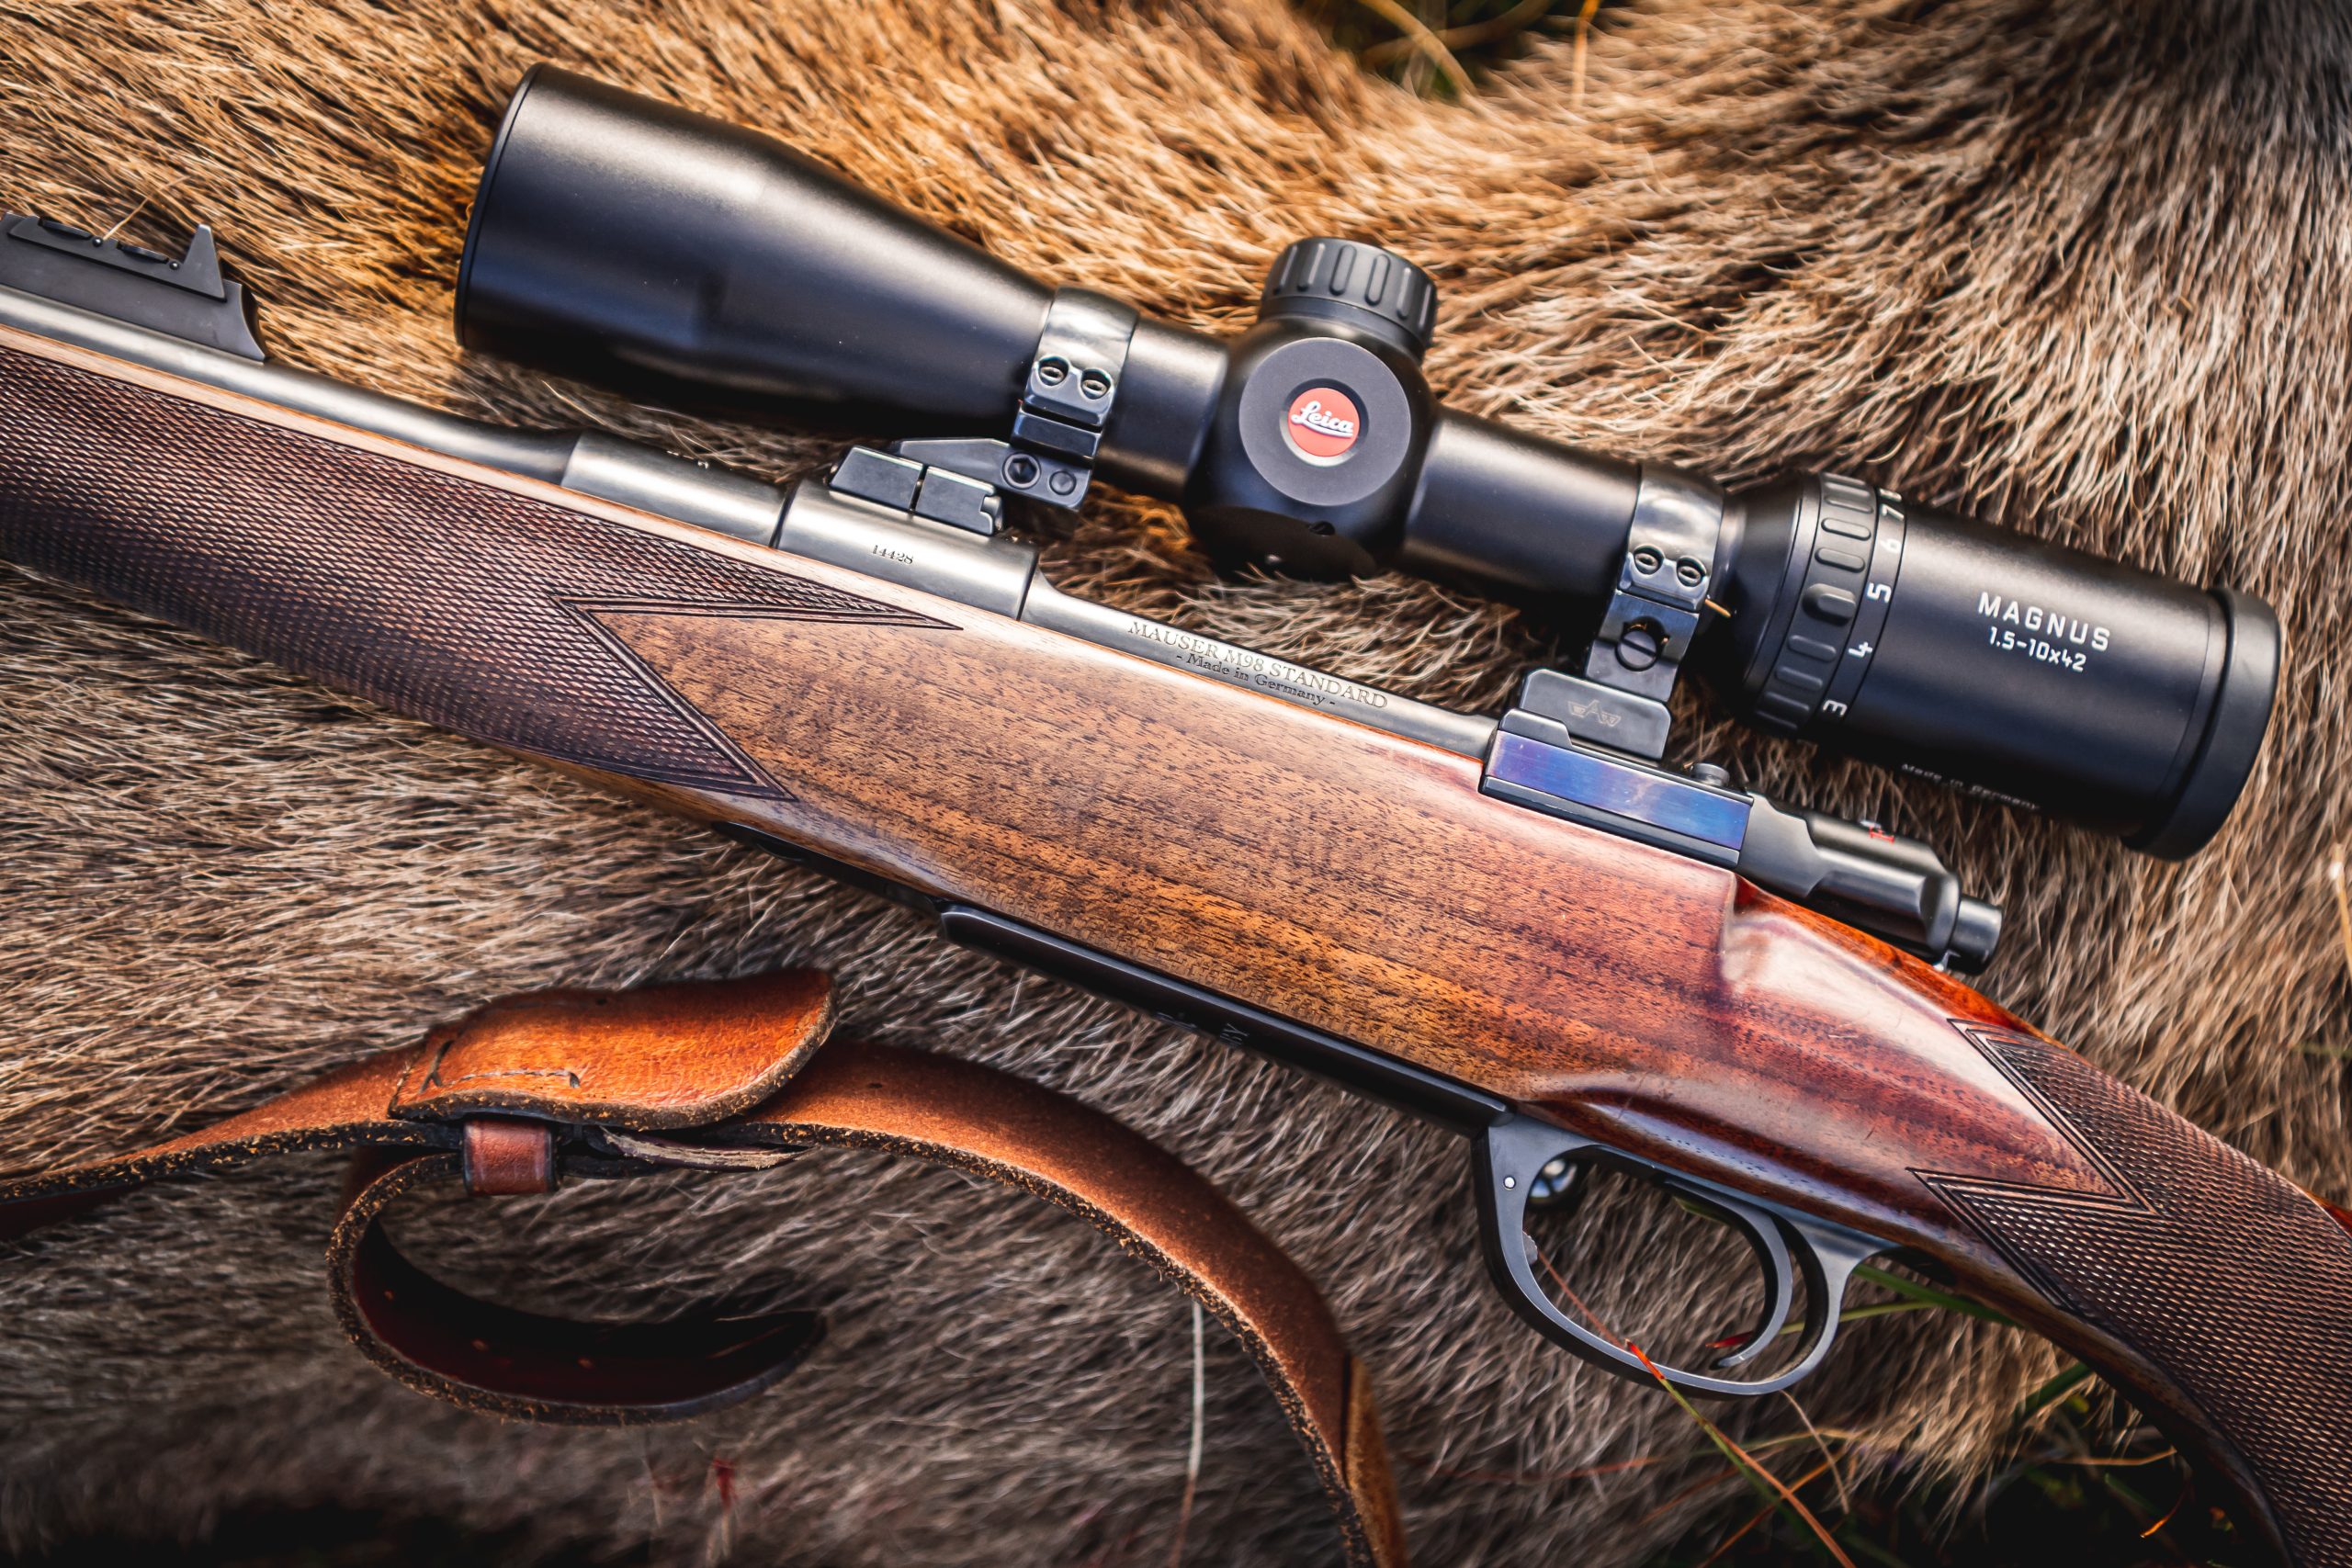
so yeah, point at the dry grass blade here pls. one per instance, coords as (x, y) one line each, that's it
(1744, 1463)
(1828, 1456)
(1470, 34)
(2179, 1503)
(2116, 1461)
(1560, 1283)
(1769, 1485)
(1761, 1514)
(1584, 33)
(1418, 34)
(1193, 1455)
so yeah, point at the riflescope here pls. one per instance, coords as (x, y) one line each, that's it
(629, 241)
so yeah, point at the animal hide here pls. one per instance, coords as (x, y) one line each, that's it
(2077, 266)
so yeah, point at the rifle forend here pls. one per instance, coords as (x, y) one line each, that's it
(1291, 861)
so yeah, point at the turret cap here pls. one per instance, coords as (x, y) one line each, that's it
(1351, 281)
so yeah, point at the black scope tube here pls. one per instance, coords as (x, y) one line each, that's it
(669, 254)
(658, 252)
(1576, 508)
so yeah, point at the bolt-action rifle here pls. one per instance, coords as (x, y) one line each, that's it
(1569, 953)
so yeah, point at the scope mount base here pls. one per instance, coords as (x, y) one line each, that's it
(189, 297)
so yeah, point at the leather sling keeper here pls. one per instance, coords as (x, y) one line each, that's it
(535, 1090)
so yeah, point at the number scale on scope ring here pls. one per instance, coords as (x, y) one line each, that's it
(1845, 572)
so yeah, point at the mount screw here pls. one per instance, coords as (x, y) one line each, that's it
(1639, 646)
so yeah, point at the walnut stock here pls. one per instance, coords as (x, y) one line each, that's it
(1350, 880)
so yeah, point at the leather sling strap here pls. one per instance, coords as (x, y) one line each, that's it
(553, 1086)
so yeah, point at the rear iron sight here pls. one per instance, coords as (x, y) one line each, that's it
(671, 255)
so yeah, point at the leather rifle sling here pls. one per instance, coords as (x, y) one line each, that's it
(729, 1074)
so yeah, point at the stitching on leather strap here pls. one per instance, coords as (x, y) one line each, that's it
(568, 1075)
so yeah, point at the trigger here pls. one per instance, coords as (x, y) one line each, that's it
(1765, 1239)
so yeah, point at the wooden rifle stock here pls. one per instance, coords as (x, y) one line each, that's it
(1336, 876)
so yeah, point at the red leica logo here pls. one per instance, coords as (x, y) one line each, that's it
(1323, 423)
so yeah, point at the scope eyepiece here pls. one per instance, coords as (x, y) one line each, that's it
(2016, 669)
(665, 252)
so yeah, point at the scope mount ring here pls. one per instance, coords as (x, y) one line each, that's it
(1067, 397)
(1672, 543)
(1510, 1159)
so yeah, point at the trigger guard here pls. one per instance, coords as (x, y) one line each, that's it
(1511, 1151)
(1768, 1237)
